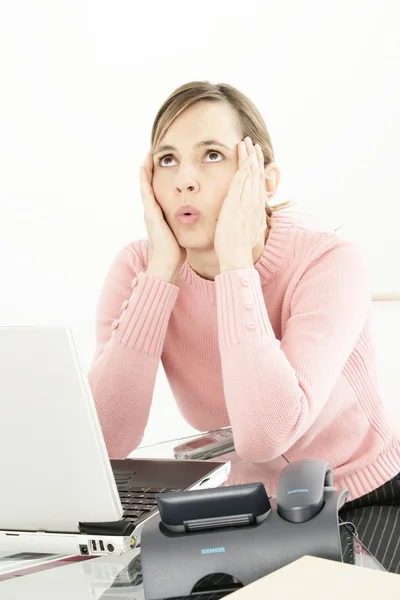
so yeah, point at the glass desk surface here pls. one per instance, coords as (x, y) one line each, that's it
(47, 577)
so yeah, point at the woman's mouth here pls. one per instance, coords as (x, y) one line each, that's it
(188, 215)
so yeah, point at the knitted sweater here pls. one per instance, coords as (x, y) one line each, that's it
(282, 352)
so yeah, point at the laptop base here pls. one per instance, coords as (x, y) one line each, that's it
(73, 544)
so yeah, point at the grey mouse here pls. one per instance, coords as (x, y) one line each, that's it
(300, 494)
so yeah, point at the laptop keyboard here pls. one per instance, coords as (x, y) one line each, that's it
(137, 502)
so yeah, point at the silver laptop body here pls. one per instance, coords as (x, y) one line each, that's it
(58, 488)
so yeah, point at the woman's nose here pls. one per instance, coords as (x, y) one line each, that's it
(187, 185)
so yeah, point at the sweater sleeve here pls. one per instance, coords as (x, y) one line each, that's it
(274, 390)
(131, 322)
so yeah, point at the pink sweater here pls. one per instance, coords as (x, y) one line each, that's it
(282, 352)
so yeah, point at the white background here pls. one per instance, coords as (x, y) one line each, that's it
(82, 81)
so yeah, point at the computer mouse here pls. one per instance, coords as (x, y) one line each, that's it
(300, 494)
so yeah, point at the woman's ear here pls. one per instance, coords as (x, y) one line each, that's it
(272, 178)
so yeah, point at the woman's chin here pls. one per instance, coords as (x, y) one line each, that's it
(196, 243)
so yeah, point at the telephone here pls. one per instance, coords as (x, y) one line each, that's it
(241, 531)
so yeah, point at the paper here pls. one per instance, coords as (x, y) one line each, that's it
(311, 578)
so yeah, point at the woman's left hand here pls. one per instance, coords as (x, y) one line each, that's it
(242, 220)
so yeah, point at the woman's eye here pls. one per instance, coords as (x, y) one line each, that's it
(209, 153)
(160, 162)
(214, 152)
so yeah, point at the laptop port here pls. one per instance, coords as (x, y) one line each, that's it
(93, 545)
(83, 549)
(101, 544)
(110, 548)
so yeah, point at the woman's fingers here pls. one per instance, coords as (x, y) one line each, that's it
(260, 158)
(242, 152)
(150, 206)
(149, 162)
(240, 177)
(249, 146)
(144, 183)
(249, 180)
(146, 175)
(262, 173)
(251, 188)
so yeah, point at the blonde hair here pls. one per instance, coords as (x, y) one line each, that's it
(251, 121)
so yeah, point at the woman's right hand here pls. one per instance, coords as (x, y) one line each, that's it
(166, 257)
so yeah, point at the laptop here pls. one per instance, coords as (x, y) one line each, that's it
(60, 492)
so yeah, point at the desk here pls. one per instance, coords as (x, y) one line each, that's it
(36, 577)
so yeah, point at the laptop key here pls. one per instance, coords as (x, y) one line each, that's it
(132, 519)
(133, 513)
(137, 507)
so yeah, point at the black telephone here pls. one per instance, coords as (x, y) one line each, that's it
(241, 531)
(300, 494)
(300, 497)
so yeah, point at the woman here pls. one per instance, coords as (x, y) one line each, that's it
(261, 323)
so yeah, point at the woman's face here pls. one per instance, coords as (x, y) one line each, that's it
(196, 169)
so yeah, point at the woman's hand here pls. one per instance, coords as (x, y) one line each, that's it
(166, 257)
(242, 219)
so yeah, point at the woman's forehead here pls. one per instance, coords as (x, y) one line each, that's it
(212, 122)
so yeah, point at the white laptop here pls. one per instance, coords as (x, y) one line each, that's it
(60, 493)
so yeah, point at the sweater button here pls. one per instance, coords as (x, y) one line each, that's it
(124, 304)
(134, 282)
(251, 325)
(248, 305)
(244, 281)
(114, 324)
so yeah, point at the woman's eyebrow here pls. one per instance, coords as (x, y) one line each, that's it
(169, 148)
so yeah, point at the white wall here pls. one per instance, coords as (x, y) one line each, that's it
(82, 81)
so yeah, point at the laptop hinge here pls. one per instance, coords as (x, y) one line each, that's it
(122, 528)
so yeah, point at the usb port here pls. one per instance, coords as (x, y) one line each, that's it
(101, 544)
(94, 545)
